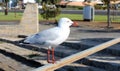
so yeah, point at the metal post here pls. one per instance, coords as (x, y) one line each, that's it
(77, 56)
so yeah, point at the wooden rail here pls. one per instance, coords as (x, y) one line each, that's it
(77, 56)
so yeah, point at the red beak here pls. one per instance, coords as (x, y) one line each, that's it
(75, 24)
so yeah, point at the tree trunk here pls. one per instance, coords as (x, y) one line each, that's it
(6, 9)
(108, 15)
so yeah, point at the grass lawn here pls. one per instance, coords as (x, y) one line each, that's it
(11, 17)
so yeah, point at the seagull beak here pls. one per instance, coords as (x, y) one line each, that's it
(75, 24)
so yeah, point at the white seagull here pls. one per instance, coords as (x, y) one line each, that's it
(51, 37)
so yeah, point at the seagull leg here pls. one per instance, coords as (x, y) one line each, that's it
(48, 56)
(53, 56)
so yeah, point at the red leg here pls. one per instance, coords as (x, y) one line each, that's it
(48, 56)
(53, 57)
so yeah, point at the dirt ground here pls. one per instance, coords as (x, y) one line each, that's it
(93, 24)
(99, 25)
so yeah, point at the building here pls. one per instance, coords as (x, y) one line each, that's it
(97, 1)
(12, 3)
(28, 1)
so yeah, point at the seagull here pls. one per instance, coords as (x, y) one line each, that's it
(52, 37)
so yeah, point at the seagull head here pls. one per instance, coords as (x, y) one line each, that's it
(65, 22)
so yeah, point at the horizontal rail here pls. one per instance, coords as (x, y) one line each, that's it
(77, 56)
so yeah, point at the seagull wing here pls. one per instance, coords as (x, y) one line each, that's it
(44, 36)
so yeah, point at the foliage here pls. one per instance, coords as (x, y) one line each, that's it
(38, 1)
(107, 1)
(101, 7)
(6, 1)
(74, 7)
(50, 9)
(1, 4)
(51, 1)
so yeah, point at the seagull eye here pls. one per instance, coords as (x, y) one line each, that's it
(67, 21)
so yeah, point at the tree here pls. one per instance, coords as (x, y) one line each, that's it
(108, 11)
(1, 4)
(6, 6)
(38, 1)
(50, 8)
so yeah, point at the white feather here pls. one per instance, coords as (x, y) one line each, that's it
(53, 36)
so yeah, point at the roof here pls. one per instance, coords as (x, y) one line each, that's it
(77, 3)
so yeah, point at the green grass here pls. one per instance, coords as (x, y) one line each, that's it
(100, 18)
(11, 17)
(1, 42)
(71, 16)
(78, 17)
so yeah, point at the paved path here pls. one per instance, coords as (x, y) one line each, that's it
(90, 30)
(85, 30)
